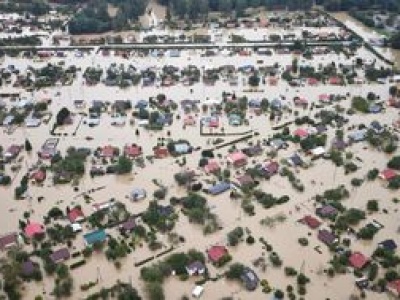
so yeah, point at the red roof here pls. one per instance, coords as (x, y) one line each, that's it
(324, 97)
(300, 132)
(212, 166)
(335, 80)
(311, 222)
(394, 286)
(358, 260)
(33, 229)
(237, 157)
(312, 81)
(108, 151)
(160, 152)
(39, 175)
(132, 150)
(388, 174)
(75, 215)
(215, 253)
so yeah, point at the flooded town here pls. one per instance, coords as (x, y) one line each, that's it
(159, 150)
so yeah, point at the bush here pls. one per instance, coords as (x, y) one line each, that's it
(250, 240)
(303, 241)
(289, 271)
(278, 294)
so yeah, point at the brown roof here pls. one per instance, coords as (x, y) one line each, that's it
(8, 240)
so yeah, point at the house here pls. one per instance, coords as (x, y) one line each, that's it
(189, 121)
(182, 148)
(12, 152)
(60, 255)
(335, 81)
(326, 211)
(338, 144)
(97, 236)
(250, 279)
(295, 160)
(317, 152)
(38, 176)
(235, 120)
(128, 226)
(253, 150)
(165, 211)
(8, 240)
(32, 122)
(219, 188)
(132, 150)
(108, 151)
(197, 291)
(310, 221)
(103, 205)
(245, 180)
(300, 101)
(216, 253)
(32, 229)
(312, 81)
(375, 108)
(301, 133)
(212, 167)
(237, 159)
(269, 168)
(394, 287)
(27, 268)
(75, 215)
(376, 127)
(138, 194)
(324, 98)
(79, 104)
(196, 268)
(358, 260)
(141, 104)
(327, 237)
(8, 120)
(358, 135)
(389, 245)
(278, 144)
(387, 174)
(160, 152)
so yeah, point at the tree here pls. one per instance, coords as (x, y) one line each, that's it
(235, 271)
(124, 165)
(28, 146)
(254, 80)
(395, 41)
(155, 291)
(62, 115)
(372, 205)
(394, 163)
(278, 294)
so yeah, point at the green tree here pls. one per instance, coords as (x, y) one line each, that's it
(28, 146)
(124, 165)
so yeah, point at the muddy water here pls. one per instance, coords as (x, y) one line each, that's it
(283, 237)
(368, 33)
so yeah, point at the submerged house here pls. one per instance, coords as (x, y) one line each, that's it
(97, 236)
(250, 279)
(219, 188)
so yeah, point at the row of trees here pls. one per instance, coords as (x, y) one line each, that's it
(198, 8)
(95, 18)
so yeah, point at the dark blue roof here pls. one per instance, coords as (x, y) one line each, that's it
(388, 244)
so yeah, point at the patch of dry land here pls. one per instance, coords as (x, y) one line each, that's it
(275, 172)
